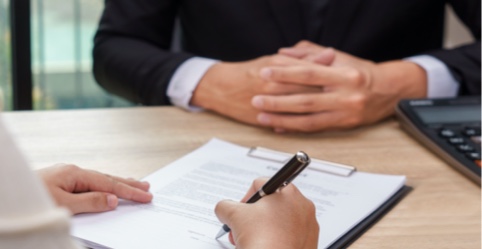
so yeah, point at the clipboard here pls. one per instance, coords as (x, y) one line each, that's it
(357, 231)
(352, 201)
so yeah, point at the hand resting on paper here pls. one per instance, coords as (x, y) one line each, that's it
(88, 191)
(285, 219)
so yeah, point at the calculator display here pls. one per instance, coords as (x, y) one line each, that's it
(448, 114)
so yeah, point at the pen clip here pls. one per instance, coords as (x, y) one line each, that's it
(289, 180)
(302, 160)
(294, 175)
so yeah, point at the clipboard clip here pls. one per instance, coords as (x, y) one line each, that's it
(316, 164)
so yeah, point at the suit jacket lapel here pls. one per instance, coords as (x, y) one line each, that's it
(338, 20)
(287, 14)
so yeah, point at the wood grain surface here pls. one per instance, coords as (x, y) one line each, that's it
(442, 211)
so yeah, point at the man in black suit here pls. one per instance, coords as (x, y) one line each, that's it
(231, 61)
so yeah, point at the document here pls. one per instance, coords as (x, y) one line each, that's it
(181, 214)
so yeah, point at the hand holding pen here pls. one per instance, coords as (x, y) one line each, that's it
(282, 220)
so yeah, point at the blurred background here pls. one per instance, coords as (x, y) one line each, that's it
(61, 41)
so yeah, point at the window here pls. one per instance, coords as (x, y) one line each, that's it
(5, 48)
(62, 38)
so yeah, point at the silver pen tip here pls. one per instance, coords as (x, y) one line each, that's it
(221, 233)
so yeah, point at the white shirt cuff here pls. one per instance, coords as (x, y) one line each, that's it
(185, 80)
(440, 82)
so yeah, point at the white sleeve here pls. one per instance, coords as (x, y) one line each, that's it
(28, 216)
(185, 80)
(440, 82)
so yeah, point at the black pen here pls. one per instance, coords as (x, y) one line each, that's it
(282, 178)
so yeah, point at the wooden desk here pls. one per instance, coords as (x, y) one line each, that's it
(443, 210)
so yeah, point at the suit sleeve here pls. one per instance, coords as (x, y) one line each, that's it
(131, 49)
(464, 61)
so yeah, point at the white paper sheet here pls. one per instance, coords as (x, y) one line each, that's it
(181, 214)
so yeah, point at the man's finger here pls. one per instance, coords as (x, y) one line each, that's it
(131, 182)
(301, 123)
(91, 202)
(326, 57)
(255, 186)
(319, 56)
(94, 181)
(294, 52)
(308, 44)
(297, 103)
(311, 74)
(225, 209)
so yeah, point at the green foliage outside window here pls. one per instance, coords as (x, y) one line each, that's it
(5, 68)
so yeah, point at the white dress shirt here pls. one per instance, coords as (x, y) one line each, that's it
(440, 82)
(185, 79)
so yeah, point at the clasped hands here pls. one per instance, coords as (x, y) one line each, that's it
(308, 88)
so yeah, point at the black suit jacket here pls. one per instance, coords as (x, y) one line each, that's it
(132, 56)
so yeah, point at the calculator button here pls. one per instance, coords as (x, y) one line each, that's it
(472, 132)
(465, 148)
(456, 140)
(447, 133)
(473, 155)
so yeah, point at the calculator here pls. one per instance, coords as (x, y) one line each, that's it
(448, 127)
